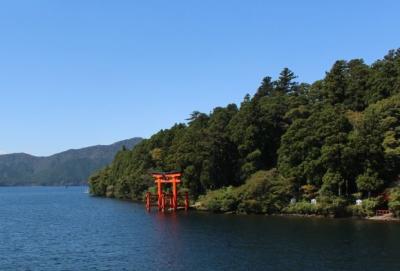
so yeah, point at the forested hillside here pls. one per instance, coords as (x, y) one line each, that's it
(335, 140)
(72, 167)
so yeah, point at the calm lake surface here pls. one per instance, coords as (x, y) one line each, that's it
(65, 229)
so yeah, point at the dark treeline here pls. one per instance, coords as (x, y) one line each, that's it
(335, 141)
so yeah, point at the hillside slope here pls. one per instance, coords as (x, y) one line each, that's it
(72, 167)
(284, 149)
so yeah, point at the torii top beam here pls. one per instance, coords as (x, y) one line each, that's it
(167, 177)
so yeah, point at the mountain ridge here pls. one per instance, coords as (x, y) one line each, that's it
(70, 167)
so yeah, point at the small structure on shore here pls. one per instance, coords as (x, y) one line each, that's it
(314, 201)
(165, 200)
(359, 202)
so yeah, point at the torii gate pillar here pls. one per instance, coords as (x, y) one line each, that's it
(173, 178)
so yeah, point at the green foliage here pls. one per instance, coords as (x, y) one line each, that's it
(325, 206)
(308, 191)
(315, 145)
(332, 139)
(376, 140)
(221, 200)
(302, 208)
(368, 182)
(394, 201)
(263, 192)
(367, 208)
(384, 80)
(333, 206)
(268, 188)
(332, 181)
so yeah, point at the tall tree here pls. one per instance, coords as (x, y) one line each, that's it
(335, 83)
(285, 83)
(266, 88)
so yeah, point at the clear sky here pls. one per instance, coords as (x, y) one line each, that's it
(75, 73)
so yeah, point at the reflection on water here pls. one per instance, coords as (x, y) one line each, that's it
(65, 229)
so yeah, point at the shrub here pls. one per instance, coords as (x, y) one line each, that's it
(332, 206)
(371, 205)
(394, 201)
(356, 211)
(302, 207)
(221, 200)
(250, 206)
(367, 208)
(326, 206)
(121, 190)
(309, 191)
(263, 192)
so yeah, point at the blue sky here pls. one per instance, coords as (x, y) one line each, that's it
(83, 72)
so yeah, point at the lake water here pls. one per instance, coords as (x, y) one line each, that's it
(65, 229)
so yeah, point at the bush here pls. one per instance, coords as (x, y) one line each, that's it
(268, 192)
(221, 200)
(263, 192)
(367, 208)
(302, 207)
(121, 190)
(394, 201)
(332, 206)
(371, 205)
(326, 206)
(250, 206)
(356, 211)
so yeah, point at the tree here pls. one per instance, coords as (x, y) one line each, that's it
(394, 201)
(222, 155)
(377, 140)
(285, 83)
(266, 88)
(244, 132)
(332, 183)
(312, 146)
(385, 77)
(335, 83)
(369, 182)
(357, 85)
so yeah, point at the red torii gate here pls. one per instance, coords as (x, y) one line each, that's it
(164, 199)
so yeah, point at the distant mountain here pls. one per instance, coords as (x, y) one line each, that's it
(72, 167)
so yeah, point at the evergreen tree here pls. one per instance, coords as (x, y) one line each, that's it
(285, 83)
(266, 88)
(335, 83)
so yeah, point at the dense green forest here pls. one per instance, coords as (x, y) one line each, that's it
(336, 140)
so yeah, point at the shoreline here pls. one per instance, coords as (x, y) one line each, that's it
(384, 218)
(197, 208)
